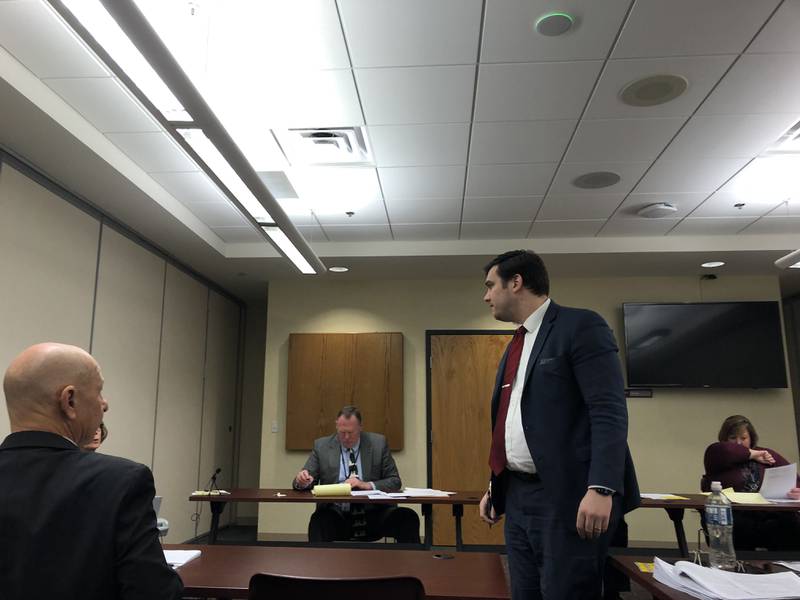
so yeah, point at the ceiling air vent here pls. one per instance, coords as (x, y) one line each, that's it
(325, 146)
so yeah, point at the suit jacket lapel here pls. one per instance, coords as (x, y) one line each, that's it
(365, 453)
(541, 338)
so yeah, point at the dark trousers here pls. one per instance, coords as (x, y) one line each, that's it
(546, 558)
(330, 523)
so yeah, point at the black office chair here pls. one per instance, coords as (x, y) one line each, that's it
(264, 586)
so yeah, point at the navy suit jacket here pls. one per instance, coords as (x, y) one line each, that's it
(77, 525)
(574, 413)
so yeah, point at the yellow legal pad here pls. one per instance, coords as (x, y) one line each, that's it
(672, 497)
(744, 497)
(646, 567)
(332, 489)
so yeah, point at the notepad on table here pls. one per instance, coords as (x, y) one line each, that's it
(178, 558)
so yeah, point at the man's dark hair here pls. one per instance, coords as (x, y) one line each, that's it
(349, 411)
(525, 263)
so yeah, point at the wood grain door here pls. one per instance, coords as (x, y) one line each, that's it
(462, 373)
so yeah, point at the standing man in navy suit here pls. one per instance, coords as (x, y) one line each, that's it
(561, 470)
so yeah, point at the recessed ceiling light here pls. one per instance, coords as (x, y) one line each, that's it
(713, 264)
(338, 269)
(656, 210)
(595, 180)
(653, 90)
(554, 23)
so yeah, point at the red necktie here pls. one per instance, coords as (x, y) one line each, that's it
(497, 455)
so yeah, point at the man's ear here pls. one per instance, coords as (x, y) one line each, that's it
(66, 401)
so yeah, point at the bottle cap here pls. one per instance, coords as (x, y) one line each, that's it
(716, 486)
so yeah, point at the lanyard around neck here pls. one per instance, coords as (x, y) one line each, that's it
(356, 453)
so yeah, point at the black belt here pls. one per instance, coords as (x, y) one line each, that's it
(529, 477)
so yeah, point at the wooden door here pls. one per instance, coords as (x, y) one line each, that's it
(462, 373)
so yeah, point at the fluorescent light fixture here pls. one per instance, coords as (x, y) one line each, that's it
(288, 248)
(334, 190)
(767, 179)
(103, 28)
(713, 264)
(338, 269)
(222, 169)
(790, 261)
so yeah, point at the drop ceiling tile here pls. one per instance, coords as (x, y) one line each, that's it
(509, 180)
(688, 27)
(788, 208)
(728, 136)
(509, 33)
(519, 141)
(239, 235)
(780, 33)
(699, 175)
(563, 207)
(104, 103)
(305, 35)
(419, 145)
(422, 182)
(218, 215)
(190, 188)
(622, 140)
(358, 233)
(420, 232)
(685, 203)
(371, 213)
(37, 38)
(617, 227)
(757, 83)
(312, 233)
(529, 91)
(417, 94)
(702, 73)
(572, 228)
(722, 204)
(515, 208)
(629, 174)
(515, 230)
(774, 225)
(153, 152)
(712, 226)
(298, 212)
(424, 210)
(387, 33)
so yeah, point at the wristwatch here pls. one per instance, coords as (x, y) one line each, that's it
(603, 491)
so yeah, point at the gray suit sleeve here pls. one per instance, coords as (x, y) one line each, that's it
(312, 466)
(390, 478)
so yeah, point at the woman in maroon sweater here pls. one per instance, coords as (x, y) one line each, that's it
(737, 461)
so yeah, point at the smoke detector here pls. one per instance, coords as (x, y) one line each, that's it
(553, 24)
(657, 210)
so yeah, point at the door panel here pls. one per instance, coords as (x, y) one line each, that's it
(463, 369)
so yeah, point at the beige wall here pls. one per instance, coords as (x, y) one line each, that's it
(668, 432)
(167, 344)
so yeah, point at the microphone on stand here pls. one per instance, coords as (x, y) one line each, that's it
(212, 483)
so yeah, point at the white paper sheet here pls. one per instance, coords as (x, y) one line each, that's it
(778, 481)
(425, 492)
(178, 558)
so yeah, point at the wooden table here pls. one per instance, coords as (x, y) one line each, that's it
(676, 508)
(225, 571)
(625, 563)
(457, 501)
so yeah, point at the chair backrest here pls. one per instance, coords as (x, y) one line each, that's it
(277, 587)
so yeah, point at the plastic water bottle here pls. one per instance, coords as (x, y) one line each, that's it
(719, 520)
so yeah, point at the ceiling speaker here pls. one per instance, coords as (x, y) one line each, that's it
(596, 180)
(653, 90)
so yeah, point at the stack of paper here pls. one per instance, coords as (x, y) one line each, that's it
(777, 483)
(178, 558)
(424, 492)
(713, 584)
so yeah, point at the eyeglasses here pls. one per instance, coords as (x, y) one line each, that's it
(353, 468)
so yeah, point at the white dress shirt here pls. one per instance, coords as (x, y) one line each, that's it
(518, 456)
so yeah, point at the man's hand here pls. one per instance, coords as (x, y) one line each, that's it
(594, 513)
(486, 510)
(357, 484)
(793, 493)
(762, 456)
(303, 479)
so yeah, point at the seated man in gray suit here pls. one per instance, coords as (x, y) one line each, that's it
(363, 460)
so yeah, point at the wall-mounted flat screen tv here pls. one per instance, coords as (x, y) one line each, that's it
(709, 344)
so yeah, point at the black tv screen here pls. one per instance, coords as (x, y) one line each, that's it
(713, 344)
